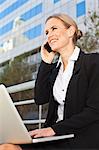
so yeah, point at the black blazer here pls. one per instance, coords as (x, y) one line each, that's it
(81, 110)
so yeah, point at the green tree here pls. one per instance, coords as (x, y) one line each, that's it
(90, 40)
(15, 72)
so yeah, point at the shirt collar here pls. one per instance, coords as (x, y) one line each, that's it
(73, 57)
(75, 54)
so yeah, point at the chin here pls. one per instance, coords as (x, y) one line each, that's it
(55, 49)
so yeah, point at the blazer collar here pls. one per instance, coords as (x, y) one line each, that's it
(77, 64)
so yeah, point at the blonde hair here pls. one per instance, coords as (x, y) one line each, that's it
(68, 21)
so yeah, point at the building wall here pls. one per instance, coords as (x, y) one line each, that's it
(22, 32)
(22, 22)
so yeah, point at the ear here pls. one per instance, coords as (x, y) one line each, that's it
(71, 31)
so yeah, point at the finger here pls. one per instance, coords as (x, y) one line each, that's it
(45, 42)
(37, 136)
(32, 133)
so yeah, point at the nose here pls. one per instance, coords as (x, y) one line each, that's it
(49, 34)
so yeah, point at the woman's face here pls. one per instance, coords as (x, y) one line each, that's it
(57, 34)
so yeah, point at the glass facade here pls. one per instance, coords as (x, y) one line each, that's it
(34, 32)
(32, 12)
(13, 7)
(2, 1)
(80, 9)
(26, 16)
(55, 1)
(6, 28)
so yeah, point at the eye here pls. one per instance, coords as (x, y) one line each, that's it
(46, 32)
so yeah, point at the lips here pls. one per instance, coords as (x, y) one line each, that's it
(53, 40)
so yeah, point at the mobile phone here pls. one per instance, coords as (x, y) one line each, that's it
(47, 47)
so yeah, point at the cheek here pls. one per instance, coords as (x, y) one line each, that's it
(64, 38)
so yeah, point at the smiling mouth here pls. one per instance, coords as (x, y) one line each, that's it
(52, 41)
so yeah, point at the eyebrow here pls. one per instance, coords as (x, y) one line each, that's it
(51, 27)
(55, 26)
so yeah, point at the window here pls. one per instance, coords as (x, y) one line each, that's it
(55, 1)
(32, 12)
(29, 14)
(2, 1)
(33, 32)
(6, 28)
(11, 8)
(80, 9)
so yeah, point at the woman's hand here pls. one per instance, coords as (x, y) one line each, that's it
(45, 132)
(9, 147)
(47, 56)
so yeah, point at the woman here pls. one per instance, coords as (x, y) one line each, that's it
(71, 87)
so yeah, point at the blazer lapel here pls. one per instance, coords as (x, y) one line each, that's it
(77, 67)
(55, 73)
(77, 64)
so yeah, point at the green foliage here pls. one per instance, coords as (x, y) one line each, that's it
(90, 41)
(16, 71)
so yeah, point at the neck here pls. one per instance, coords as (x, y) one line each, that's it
(66, 53)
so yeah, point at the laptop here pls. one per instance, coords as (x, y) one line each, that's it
(12, 128)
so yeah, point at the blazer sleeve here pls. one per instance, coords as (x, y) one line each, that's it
(90, 113)
(42, 84)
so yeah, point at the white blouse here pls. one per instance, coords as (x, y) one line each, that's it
(62, 81)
